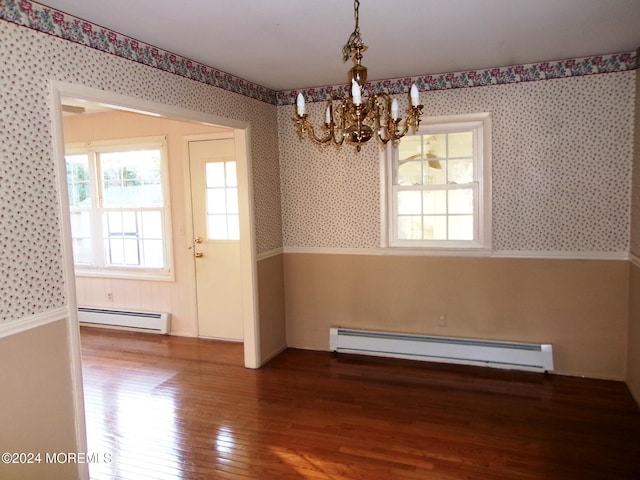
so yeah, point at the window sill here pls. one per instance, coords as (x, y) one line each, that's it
(437, 251)
(145, 275)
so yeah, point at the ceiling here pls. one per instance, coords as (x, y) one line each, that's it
(296, 44)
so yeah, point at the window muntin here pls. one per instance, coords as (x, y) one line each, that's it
(437, 195)
(118, 204)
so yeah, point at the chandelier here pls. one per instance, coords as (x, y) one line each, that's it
(355, 119)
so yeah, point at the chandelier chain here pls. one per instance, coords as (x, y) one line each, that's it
(355, 41)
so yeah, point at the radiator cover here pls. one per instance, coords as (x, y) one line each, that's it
(512, 355)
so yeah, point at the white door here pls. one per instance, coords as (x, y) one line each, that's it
(216, 243)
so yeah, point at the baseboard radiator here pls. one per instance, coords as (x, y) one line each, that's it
(511, 355)
(153, 322)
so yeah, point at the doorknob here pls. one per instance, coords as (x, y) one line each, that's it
(198, 254)
(197, 240)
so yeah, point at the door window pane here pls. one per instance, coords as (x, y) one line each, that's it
(231, 174)
(215, 174)
(234, 227)
(222, 201)
(216, 201)
(232, 201)
(217, 227)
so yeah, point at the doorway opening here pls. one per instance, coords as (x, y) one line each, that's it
(180, 287)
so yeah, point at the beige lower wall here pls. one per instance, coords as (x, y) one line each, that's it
(271, 307)
(580, 306)
(633, 346)
(36, 404)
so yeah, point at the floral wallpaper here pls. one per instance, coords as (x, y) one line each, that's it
(31, 279)
(562, 151)
(561, 168)
(635, 203)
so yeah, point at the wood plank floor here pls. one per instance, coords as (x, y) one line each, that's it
(181, 408)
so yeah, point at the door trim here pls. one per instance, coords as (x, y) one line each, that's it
(242, 134)
(248, 262)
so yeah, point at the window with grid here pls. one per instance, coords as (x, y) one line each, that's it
(223, 218)
(438, 192)
(118, 207)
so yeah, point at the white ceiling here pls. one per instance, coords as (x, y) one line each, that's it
(295, 44)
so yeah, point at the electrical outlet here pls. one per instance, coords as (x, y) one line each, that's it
(109, 296)
(442, 321)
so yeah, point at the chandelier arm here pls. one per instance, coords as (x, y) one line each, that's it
(338, 123)
(377, 115)
(381, 103)
(398, 134)
(312, 133)
(305, 127)
(413, 120)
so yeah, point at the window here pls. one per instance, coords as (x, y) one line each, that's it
(223, 218)
(119, 207)
(439, 185)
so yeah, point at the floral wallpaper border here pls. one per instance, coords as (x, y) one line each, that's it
(53, 22)
(576, 67)
(45, 19)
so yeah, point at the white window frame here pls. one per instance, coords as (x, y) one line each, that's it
(99, 267)
(480, 124)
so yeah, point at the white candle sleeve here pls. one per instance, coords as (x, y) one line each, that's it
(394, 109)
(415, 96)
(356, 93)
(300, 104)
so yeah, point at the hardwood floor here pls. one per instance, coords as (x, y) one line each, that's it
(181, 408)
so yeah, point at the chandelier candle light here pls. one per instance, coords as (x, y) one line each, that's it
(355, 119)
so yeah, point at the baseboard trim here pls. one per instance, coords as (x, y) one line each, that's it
(24, 324)
(277, 351)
